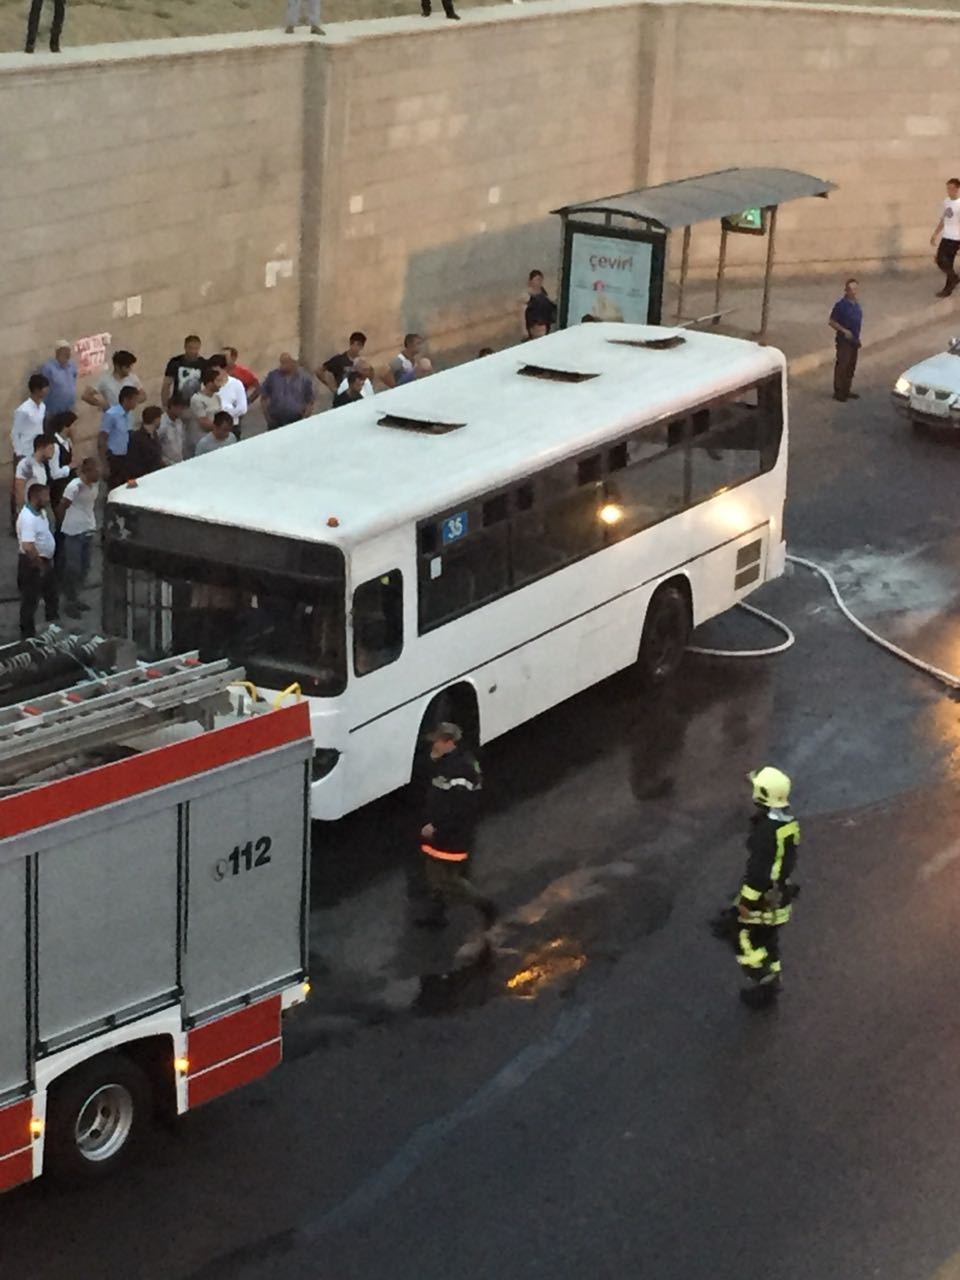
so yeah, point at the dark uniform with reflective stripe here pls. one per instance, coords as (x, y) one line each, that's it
(766, 895)
(453, 800)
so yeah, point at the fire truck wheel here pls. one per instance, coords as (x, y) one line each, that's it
(95, 1117)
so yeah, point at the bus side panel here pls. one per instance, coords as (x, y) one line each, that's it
(14, 1068)
(729, 573)
(247, 877)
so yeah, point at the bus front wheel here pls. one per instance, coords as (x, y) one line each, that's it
(666, 633)
(457, 704)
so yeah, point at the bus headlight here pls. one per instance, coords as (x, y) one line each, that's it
(902, 386)
(324, 762)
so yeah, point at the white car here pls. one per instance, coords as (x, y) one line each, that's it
(928, 393)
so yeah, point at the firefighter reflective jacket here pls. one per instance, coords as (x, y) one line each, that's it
(766, 891)
(453, 799)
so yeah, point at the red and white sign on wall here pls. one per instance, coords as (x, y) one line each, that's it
(90, 353)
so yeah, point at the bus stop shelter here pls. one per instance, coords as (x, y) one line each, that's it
(614, 248)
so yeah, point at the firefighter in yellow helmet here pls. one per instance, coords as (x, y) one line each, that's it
(763, 905)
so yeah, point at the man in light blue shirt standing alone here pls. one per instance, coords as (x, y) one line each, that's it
(114, 440)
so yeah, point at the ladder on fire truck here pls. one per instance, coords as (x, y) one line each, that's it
(109, 709)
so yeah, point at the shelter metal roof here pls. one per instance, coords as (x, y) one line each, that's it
(707, 197)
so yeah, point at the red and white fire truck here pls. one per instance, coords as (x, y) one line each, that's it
(154, 859)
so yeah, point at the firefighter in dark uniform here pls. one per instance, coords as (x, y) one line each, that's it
(446, 838)
(764, 903)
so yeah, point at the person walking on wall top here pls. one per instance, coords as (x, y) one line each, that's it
(295, 16)
(56, 26)
(426, 9)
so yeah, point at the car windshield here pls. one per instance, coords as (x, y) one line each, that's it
(273, 605)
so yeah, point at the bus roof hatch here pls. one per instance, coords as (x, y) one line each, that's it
(555, 374)
(426, 426)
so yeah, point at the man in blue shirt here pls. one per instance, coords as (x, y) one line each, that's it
(846, 320)
(114, 440)
(61, 373)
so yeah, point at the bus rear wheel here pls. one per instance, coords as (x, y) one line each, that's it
(666, 633)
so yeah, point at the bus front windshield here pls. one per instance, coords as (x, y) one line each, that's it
(271, 604)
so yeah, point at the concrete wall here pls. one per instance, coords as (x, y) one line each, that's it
(404, 172)
(446, 155)
(861, 96)
(172, 179)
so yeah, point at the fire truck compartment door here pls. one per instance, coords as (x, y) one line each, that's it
(247, 882)
(13, 976)
(107, 926)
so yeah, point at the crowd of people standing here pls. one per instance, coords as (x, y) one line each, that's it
(203, 402)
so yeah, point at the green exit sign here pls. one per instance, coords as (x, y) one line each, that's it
(750, 222)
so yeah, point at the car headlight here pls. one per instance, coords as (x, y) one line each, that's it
(902, 386)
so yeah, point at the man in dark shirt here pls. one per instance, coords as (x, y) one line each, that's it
(447, 835)
(184, 372)
(540, 313)
(143, 452)
(846, 320)
(332, 372)
(286, 393)
(355, 380)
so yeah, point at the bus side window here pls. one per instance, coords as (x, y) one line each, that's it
(467, 573)
(651, 487)
(726, 451)
(771, 422)
(378, 622)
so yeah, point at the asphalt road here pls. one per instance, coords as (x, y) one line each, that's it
(596, 1103)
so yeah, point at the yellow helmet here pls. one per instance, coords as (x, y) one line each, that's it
(771, 787)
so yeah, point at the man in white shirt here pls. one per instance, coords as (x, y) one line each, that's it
(35, 574)
(947, 232)
(33, 470)
(28, 420)
(170, 430)
(77, 514)
(232, 393)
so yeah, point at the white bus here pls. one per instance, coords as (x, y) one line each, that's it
(474, 546)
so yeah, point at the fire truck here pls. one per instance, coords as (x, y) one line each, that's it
(154, 864)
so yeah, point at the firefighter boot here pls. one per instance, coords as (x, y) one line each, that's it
(762, 996)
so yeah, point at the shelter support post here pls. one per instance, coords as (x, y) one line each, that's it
(771, 251)
(684, 265)
(721, 268)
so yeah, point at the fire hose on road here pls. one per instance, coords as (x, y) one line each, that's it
(937, 673)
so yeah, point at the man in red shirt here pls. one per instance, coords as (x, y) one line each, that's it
(251, 383)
